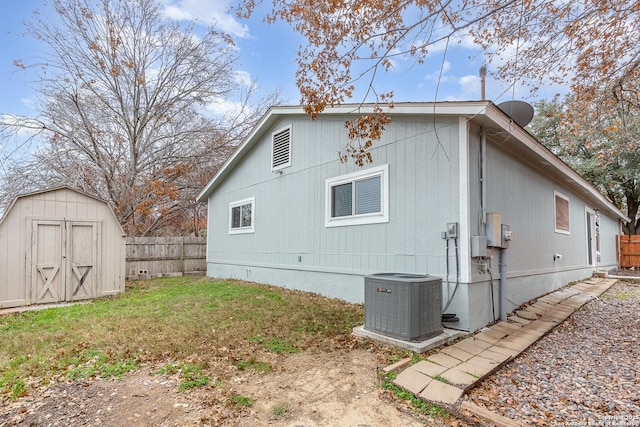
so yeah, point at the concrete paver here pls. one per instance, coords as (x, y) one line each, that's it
(466, 362)
(490, 336)
(517, 319)
(444, 359)
(538, 308)
(412, 380)
(429, 368)
(549, 299)
(440, 392)
(505, 351)
(457, 353)
(495, 356)
(472, 346)
(504, 327)
(514, 343)
(555, 317)
(527, 334)
(458, 376)
(527, 314)
(541, 325)
(478, 367)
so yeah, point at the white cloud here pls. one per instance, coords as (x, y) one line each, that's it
(470, 86)
(228, 111)
(465, 88)
(208, 12)
(439, 75)
(244, 78)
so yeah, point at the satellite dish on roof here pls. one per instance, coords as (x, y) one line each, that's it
(519, 111)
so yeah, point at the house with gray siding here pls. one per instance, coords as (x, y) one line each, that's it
(284, 210)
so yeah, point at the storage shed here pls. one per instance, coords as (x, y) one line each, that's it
(59, 245)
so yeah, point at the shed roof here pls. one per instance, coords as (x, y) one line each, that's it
(482, 113)
(62, 187)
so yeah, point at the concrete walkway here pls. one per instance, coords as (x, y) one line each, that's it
(446, 375)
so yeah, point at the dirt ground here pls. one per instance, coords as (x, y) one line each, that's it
(339, 389)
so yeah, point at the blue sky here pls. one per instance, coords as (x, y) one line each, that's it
(267, 53)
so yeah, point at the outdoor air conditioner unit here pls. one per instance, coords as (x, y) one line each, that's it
(403, 306)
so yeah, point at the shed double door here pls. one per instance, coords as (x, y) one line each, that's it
(64, 260)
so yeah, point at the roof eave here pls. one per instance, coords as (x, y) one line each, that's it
(482, 112)
(537, 149)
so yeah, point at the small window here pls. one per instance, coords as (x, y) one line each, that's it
(281, 149)
(561, 205)
(241, 216)
(358, 198)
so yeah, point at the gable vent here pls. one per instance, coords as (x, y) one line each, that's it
(281, 157)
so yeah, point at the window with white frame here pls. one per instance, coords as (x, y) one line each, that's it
(242, 216)
(358, 198)
(561, 208)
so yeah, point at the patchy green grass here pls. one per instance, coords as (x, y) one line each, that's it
(92, 363)
(276, 344)
(253, 366)
(182, 322)
(241, 401)
(191, 375)
(280, 411)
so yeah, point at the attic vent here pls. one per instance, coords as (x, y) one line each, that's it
(281, 157)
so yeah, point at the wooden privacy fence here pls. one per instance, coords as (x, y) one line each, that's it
(156, 256)
(628, 251)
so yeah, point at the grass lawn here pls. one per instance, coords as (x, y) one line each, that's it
(204, 329)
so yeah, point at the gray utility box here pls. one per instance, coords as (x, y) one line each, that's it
(403, 306)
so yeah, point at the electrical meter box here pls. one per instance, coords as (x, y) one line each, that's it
(493, 230)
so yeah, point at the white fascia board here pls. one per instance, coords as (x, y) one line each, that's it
(451, 108)
(523, 137)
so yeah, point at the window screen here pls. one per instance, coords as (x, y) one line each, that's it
(368, 192)
(342, 200)
(235, 217)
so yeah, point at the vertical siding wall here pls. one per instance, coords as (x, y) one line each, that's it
(609, 228)
(290, 234)
(525, 198)
(15, 230)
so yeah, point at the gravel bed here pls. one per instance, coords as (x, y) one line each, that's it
(586, 372)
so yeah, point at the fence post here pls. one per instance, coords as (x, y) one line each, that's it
(182, 267)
